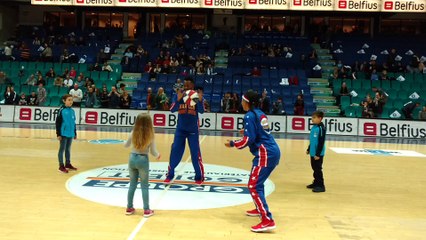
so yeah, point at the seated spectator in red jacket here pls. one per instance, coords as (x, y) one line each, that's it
(255, 72)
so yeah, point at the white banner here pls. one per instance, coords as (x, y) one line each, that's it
(357, 5)
(334, 126)
(267, 4)
(34, 114)
(234, 122)
(94, 3)
(302, 5)
(392, 128)
(52, 2)
(221, 121)
(404, 6)
(180, 3)
(224, 4)
(312, 5)
(119, 117)
(169, 120)
(135, 3)
(6, 113)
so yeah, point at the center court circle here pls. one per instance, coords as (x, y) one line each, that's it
(224, 187)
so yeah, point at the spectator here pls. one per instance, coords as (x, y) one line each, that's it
(81, 83)
(255, 72)
(46, 54)
(107, 67)
(210, 70)
(150, 99)
(64, 58)
(150, 70)
(114, 98)
(227, 103)
(24, 52)
(344, 91)
(161, 100)
(378, 104)
(277, 107)
(368, 106)
(58, 82)
(236, 103)
(51, 74)
(4, 79)
(31, 80)
(23, 100)
(265, 102)
(157, 70)
(384, 75)
(127, 56)
(299, 105)
(73, 73)
(40, 80)
(90, 98)
(102, 56)
(103, 96)
(125, 100)
(8, 52)
(32, 99)
(96, 67)
(9, 96)
(122, 88)
(68, 82)
(41, 95)
(65, 73)
(409, 108)
(77, 95)
(422, 113)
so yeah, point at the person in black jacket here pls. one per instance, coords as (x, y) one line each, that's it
(409, 108)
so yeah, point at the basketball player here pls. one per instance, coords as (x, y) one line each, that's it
(257, 136)
(187, 128)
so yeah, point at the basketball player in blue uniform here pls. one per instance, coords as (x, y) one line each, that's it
(187, 128)
(258, 138)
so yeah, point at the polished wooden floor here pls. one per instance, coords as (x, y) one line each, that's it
(368, 197)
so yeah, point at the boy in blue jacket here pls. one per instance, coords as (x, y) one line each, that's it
(66, 132)
(316, 150)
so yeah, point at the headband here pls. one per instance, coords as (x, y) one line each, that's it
(245, 99)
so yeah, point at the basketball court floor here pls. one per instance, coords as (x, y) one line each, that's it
(374, 195)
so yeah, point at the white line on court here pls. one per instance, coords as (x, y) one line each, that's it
(158, 200)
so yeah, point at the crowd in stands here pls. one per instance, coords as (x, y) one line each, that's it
(189, 55)
(384, 85)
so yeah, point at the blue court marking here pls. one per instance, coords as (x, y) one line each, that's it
(107, 141)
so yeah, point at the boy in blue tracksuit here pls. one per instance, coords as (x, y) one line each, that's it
(316, 150)
(187, 128)
(257, 136)
(66, 132)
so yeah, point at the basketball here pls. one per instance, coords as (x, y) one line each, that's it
(190, 97)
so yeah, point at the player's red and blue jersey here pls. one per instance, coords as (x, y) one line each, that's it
(188, 115)
(257, 136)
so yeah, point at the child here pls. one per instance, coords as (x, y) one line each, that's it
(142, 140)
(258, 138)
(66, 131)
(22, 100)
(316, 150)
